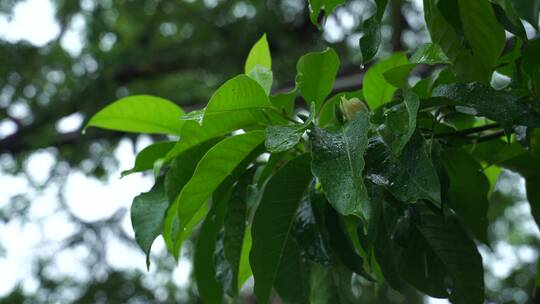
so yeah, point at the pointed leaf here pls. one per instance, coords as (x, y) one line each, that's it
(371, 40)
(316, 6)
(338, 164)
(140, 114)
(273, 221)
(147, 157)
(147, 213)
(259, 55)
(315, 76)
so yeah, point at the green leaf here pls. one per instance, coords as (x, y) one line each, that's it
(400, 123)
(282, 137)
(273, 221)
(215, 166)
(371, 40)
(259, 55)
(147, 213)
(485, 101)
(330, 285)
(482, 30)
(316, 6)
(440, 254)
(528, 166)
(509, 18)
(410, 177)
(140, 114)
(466, 66)
(238, 96)
(147, 157)
(376, 89)
(531, 64)
(528, 10)
(284, 102)
(468, 193)
(231, 242)
(292, 279)
(429, 53)
(315, 76)
(241, 95)
(309, 233)
(244, 272)
(263, 76)
(179, 173)
(338, 163)
(342, 245)
(203, 259)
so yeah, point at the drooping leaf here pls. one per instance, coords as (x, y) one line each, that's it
(468, 193)
(528, 166)
(272, 222)
(147, 213)
(376, 89)
(485, 101)
(528, 10)
(440, 257)
(292, 277)
(179, 173)
(342, 245)
(371, 40)
(140, 114)
(482, 31)
(308, 234)
(215, 166)
(531, 64)
(330, 285)
(410, 177)
(147, 157)
(338, 164)
(509, 18)
(316, 6)
(315, 76)
(400, 123)
(259, 55)
(203, 260)
(466, 66)
(230, 244)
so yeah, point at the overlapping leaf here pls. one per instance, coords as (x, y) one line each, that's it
(272, 223)
(338, 164)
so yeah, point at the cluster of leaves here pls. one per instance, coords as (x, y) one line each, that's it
(389, 183)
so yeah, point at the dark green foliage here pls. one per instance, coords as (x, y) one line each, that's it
(389, 182)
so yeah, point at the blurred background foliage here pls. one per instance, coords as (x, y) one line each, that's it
(182, 50)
